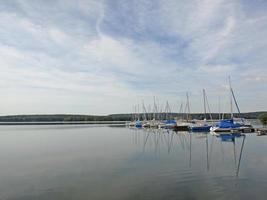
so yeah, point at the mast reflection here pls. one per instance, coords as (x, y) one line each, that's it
(192, 144)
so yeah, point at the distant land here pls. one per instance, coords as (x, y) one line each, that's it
(112, 117)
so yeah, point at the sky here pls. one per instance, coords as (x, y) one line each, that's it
(103, 57)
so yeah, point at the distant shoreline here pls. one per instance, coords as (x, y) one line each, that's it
(64, 123)
(65, 119)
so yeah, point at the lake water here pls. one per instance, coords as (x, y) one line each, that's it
(91, 162)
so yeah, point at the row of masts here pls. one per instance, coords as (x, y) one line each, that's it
(157, 113)
(161, 112)
(164, 118)
(164, 112)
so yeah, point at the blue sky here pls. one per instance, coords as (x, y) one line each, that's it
(101, 57)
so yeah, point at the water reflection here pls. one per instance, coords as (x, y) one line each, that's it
(120, 163)
(232, 139)
(166, 140)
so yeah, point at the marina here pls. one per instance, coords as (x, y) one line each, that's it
(231, 125)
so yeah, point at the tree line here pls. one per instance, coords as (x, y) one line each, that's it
(116, 117)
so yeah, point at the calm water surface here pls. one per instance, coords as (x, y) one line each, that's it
(103, 162)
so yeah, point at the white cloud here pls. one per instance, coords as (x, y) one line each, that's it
(144, 50)
(57, 35)
(218, 69)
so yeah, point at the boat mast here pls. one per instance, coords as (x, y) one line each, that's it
(208, 105)
(204, 100)
(154, 109)
(144, 110)
(138, 114)
(231, 99)
(235, 101)
(149, 112)
(169, 110)
(135, 113)
(219, 108)
(188, 106)
(233, 96)
(167, 115)
(181, 110)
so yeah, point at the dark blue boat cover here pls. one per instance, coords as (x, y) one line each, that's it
(228, 123)
(170, 121)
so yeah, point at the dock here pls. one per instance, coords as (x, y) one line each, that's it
(261, 131)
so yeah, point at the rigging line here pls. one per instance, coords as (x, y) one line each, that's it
(236, 104)
(240, 156)
(204, 101)
(208, 105)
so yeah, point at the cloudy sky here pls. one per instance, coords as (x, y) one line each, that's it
(101, 57)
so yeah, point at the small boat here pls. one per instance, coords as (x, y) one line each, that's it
(146, 124)
(138, 124)
(225, 125)
(202, 126)
(161, 125)
(261, 131)
(170, 124)
(131, 124)
(230, 125)
(154, 124)
(182, 126)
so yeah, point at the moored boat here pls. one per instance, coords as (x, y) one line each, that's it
(132, 124)
(146, 124)
(170, 124)
(261, 131)
(201, 128)
(138, 124)
(232, 125)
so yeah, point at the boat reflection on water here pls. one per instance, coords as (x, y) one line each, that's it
(191, 145)
(233, 138)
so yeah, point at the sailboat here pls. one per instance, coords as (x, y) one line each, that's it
(154, 123)
(232, 125)
(132, 122)
(202, 126)
(183, 125)
(138, 123)
(146, 123)
(169, 122)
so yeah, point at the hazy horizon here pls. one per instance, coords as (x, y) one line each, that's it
(104, 57)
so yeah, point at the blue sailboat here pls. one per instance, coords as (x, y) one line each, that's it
(203, 126)
(170, 124)
(232, 125)
(138, 124)
(200, 128)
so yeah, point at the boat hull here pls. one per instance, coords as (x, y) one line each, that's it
(181, 128)
(200, 129)
(231, 130)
